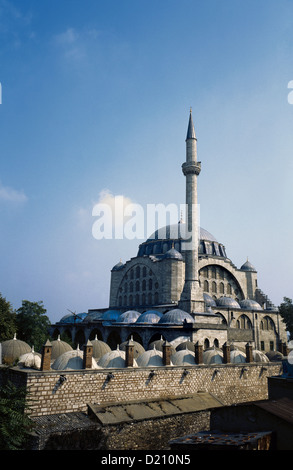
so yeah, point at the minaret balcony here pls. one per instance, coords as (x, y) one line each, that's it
(191, 168)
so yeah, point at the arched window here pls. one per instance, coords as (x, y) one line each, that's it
(144, 271)
(206, 343)
(221, 288)
(143, 299)
(137, 286)
(131, 287)
(144, 284)
(149, 298)
(130, 300)
(137, 271)
(206, 286)
(244, 322)
(137, 299)
(150, 284)
(156, 298)
(214, 287)
(229, 289)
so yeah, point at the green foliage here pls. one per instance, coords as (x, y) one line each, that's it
(7, 320)
(32, 323)
(15, 423)
(286, 312)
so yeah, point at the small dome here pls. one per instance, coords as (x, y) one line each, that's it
(186, 344)
(227, 302)
(176, 317)
(173, 254)
(13, 349)
(248, 267)
(59, 347)
(93, 316)
(149, 317)
(150, 358)
(111, 315)
(209, 301)
(128, 317)
(30, 360)
(118, 266)
(137, 350)
(250, 304)
(213, 356)
(74, 318)
(275, 356)
(71, 360)
(184, 357)
(158, 345)
(100, 348)
(237, 356)
(259, 356)
(114, 359)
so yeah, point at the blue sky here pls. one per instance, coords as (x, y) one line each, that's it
(95, 99)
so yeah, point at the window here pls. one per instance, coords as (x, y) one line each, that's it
(206, 286)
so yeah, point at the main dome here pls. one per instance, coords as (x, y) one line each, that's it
(173, 237)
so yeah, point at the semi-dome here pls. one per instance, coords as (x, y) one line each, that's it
(138, 349)
(174, 236)
(71, 360)
(250, 304)
(130, 316)
(184, 357)
(149, 317)
(59, 347)
(150, 358)
(176, 317)
(100, 348)
(227, 302)
(12, 349)
(31, 360)
(213, 356)
(247, 266)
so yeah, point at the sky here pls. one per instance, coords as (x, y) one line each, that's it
(95, 100)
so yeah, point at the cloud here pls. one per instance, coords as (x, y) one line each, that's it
(11, 195)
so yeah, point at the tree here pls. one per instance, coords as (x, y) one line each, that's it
(32, 323)
(286, 312)
(7, 320)
(15, 423)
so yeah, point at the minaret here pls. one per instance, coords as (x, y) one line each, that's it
(191, 299)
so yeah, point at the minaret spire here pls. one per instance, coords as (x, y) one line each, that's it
(191, 297)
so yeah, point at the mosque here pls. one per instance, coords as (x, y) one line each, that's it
(182, 287)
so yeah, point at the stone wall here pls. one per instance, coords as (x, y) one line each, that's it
(68, 391)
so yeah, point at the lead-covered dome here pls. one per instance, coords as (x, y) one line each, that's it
(12, 349)
(176, 317)
(250, 304)
(59, 347)
(150, 358)
(130, 316)
(227, 302)
(71, 360)
(173, 236)
(148, 317)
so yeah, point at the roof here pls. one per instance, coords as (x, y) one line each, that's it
(282, 408)
(115, 413)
